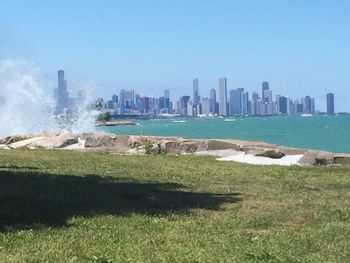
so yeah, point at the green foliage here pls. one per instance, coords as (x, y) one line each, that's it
(62, 206)
(104, 116)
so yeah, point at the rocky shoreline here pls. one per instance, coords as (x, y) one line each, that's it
(114, 123)
(225, 149)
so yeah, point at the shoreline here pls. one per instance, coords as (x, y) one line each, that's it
(251, 152)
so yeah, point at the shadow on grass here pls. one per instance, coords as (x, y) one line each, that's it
(32, 200)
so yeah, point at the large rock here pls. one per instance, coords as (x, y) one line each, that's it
(170, 147)
(96, 140)
(153, 149)
(222, 145)
(122, 143)
(77, 146)
(313, 157)
(17, 138)
(108, 142)
(342, 158)
(271, 153)
(193, 146)
(133, 142)
(62, 140)
(25, 143)
(2, 140)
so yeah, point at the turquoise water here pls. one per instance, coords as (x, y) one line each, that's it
(330, 133)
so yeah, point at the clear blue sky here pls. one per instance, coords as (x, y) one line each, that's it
(300, 47)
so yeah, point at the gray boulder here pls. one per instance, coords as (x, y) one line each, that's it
(273, 154)
(17, 138)
(342, 158)
(62, 140)
(97, 140)
(314, 157)
(133, 142)
(193, 146)
(24, 143)
(222, 145)
(153, 149)
(169, 147)
(107, 142)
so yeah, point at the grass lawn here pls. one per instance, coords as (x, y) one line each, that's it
(60, 206)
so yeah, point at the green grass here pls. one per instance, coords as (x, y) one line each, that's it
(60, 206)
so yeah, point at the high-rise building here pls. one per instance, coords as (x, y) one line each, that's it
(235, 101)
(206, 106)
(312, 106)
(213, 101)
(288, 106)
(265, 86)
(330, 103)
(184, 105)
(244, 103)
(167, 99)
(307, 105)
(282, 102)
(196, 98)
(223, 97)
(115, 99)
(129, 99)
(255, 104)
(61, 94)
(122, 101)
(267, 98)
(146, 104)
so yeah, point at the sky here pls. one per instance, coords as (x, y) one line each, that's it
(300, 47)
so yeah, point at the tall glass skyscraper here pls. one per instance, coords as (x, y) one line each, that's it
(196, 98)
(330, 103)
(235, 101)
(265, 86)
(223, 97)
(213, 101)
(61, 93)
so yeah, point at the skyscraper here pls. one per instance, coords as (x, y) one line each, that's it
(184, 105)
(122, 101)
(205, 106)
(244, 103)
(213, 101)
(222, 96)
(312, 106)
(129, 99)
(61, 93)
(282, 101)
(267, 96)
(265, 86)
(307, 105)
(196, 98)
(235, 101)
(167, 99)
(330, 103)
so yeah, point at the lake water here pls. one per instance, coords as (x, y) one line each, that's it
(330, 133)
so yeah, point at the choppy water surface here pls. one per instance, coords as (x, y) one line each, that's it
(330, 133)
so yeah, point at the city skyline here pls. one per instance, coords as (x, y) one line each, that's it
(236, 102)
(164, 45)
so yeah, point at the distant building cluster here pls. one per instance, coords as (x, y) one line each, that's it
(235, 102)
